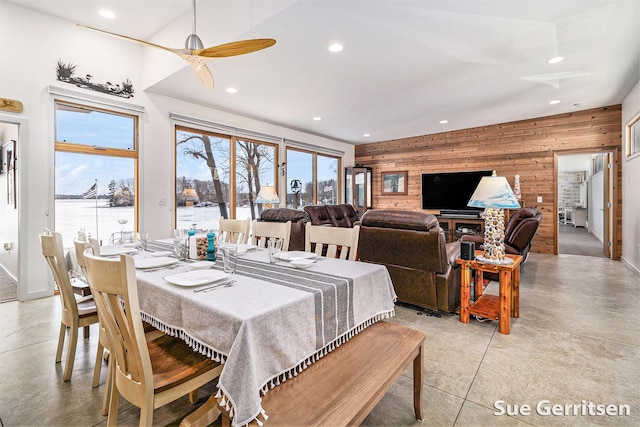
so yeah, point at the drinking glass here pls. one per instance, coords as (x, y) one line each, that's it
(142, 239)
(274, 246)
(180, 244)
(229, 259)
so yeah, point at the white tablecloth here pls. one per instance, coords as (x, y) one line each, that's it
(272, 323)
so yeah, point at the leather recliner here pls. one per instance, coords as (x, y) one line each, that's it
(518, 233)
(298, 220)
(413, 247)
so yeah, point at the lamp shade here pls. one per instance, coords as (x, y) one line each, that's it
(267, 194)
(494, 192)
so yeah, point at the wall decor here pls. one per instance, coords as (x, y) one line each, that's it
(65, 73)
(10, 149)
(394, 183)
(10, 105)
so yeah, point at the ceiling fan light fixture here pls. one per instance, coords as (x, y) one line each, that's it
(193, 42)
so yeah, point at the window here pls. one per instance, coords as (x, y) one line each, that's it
(206, 162)
(312, 178)
(96, 158)
(633, 137)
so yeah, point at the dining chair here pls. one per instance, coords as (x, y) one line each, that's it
(263, 231)
(148, 374)
(332, 242)
(234, 230)
(77, 311)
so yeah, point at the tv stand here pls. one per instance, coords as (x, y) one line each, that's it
(456, 227)
(460, 214)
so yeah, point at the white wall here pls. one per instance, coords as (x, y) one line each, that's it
(28, 70)
(630, 193)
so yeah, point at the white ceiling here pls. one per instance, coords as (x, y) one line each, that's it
(406, 65)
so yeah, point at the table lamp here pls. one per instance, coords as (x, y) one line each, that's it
(494, 194)
(267, 196)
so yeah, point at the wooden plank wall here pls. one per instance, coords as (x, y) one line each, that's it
(526, 148)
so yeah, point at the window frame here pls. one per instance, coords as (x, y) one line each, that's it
(76, 148)
(314, 160)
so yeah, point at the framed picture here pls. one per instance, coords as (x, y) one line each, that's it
(633, 137)
(394, 183)
(10, 150)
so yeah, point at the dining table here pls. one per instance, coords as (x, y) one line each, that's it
(265, 322)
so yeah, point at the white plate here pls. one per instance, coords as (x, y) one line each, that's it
(201, 264)
(196, 277)
(113, 250)
(242, 248)
(154, 262)
(291, 255)
(302, 263)
(161, 253)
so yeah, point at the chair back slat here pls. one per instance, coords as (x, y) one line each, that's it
(332, 242)
(51, 243)
(263, 230)
(114, 287)
(234, 230)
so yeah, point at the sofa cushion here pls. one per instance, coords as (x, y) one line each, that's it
(406, 220)
(283, 215)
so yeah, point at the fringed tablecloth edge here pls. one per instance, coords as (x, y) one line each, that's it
(261, 416)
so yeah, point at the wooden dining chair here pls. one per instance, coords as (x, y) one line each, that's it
(263, 231)
(332, 242)
(234, 230)
(148, 374)
(77, 311)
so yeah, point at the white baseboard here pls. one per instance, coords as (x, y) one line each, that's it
(630, 266)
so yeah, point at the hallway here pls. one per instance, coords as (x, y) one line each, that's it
(578, 241)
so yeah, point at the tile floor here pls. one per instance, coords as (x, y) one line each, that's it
(577, 340)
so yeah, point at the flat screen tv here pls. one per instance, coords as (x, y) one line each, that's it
(450, 191)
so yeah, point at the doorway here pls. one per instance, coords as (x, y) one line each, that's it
(9, 136)
(584, 203)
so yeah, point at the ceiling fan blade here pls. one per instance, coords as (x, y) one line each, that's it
(180, 52)
(203, 73)
(235, 48)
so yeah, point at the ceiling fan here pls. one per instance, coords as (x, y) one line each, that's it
(195, 53)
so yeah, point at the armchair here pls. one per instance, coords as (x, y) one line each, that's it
(518, 233)
(413, 248)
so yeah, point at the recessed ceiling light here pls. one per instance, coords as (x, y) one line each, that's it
(444, 121)
(555, 60)
(232, 90)
(366, 135)
(555, 101)
(336, 47)
(317, 118)
(107, 14)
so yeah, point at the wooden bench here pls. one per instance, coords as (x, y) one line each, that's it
(343, 387)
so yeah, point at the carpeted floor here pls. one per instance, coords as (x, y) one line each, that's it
(8, 287)
(578, 241)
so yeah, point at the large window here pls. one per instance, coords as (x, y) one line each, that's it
(96, 154)
(219, 176)
(312, 178)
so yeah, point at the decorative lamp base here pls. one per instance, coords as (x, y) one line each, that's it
(494, 237)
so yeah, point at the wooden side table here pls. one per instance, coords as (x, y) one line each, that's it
(501, 307)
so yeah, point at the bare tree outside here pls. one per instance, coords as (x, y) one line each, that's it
(201, 146)
(253, 161)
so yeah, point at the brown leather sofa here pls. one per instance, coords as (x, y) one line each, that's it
(298, 220)
(518, 233)
(343, 215)
(413, 248)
